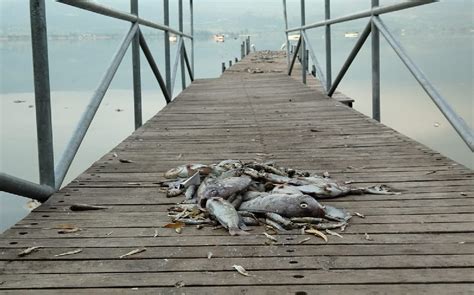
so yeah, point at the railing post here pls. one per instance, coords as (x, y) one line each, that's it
(181, 51)
(247, 45)
(191, 15)
(137, 87)
(285, 16)
(223, 67)
(242, 50)
(327, 14)
(39, 40)
(230, 63)
(303, 47)
(166, 12)
(375, 68)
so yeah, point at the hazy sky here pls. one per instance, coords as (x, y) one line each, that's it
(228, 15)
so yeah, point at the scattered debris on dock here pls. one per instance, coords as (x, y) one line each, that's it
(236, 195)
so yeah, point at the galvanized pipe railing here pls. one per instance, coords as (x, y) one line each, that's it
(374, 26)
(51, 178)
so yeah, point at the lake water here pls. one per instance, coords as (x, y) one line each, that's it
(77, 66)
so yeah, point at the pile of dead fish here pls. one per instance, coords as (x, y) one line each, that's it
(235, 195)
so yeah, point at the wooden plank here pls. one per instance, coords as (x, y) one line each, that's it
(231, 277)
(222, 264)
(440, 288)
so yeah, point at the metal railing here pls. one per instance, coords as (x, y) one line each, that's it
(375, 27)
(52, 177)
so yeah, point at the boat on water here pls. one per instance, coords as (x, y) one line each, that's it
(218, 37)
(295, 37)
(351, 34)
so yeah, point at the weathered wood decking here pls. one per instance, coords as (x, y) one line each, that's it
(420, 241)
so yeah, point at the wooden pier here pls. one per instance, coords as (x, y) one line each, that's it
(420, 241)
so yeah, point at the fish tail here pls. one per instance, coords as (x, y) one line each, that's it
(237, 232)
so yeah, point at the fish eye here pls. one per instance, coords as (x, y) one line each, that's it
(303, 205)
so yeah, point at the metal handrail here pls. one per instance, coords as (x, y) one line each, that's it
(363, 14)
(374, 26)
(51, 178)
(107, 11)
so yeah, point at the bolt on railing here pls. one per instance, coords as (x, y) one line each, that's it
(52, 177)
(375, 27)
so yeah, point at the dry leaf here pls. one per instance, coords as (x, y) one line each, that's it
(133, 252)
(367, 237)
(241, 270)
(179, 284)
(317, 233)
(125, 161)
(156, 233)
(28, 251)
(332, 233)
(69, 230)
(209, 255)
(66, 226)
(174, 225)
(271, 237)
(85, 207)
(115, 155)
(178, 230)
(69, 253)
(343, 227)
(359, 214)
(304, 240)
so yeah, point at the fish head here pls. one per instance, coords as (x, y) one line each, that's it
(308, 206)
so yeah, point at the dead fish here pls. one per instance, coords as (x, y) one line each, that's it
(174, 192)
(325, 226)
(311, 220)
(286, 189)
(226, 214)
(248, 195)
(249, 221)
(336, 214)
(85, 207)
(285, 222)
(284, 205)
(190, 192)
(274, 224)
(221, 188)
(28, 251)
(195, 179)
(380, 190)
(237, 201)
(266, 168)
(241, 270)
(270, 177)
(230, 164)
(188, 170)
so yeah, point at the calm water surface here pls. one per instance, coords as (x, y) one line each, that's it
(77, 66)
